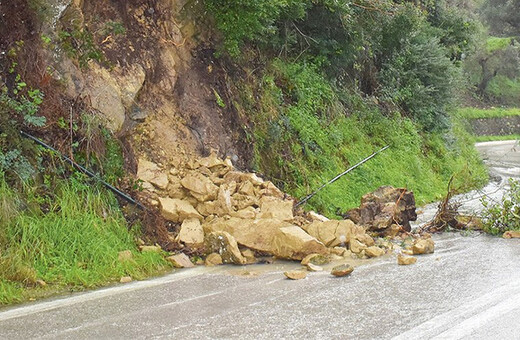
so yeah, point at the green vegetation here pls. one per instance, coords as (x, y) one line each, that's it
(335, 81)
(494, 44)
(303, 117)
(499, 217)
(69, 238)
(474, 113)
(56, 226)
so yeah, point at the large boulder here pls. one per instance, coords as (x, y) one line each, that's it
(253, 234)
(384, 207)
(294, 243)
(225, 245)
(177, 210)
(191, 232)
(271, 207)
(333, 232)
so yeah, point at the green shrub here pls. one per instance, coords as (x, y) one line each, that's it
(499, 217)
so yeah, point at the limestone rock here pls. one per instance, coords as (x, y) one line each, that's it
(316, 259)
(254, 234)
(246, 213)
(295, 274)
(150, 172)
(180, 260)
(405, 260)
(224, 244)
(200, 186)
(356, 247)
(247, 188)
(334, 233)
(511, 234)
(124, 255)
(423, 246)
(249, 255)
(277, 209)
(342, 270)
(313, 268)
(269, 189)
(240, 201)
(125, 279)
(339, 251)
(213, 259)
(374, 251)
(191, 232)
(177, 210)
(294, 243)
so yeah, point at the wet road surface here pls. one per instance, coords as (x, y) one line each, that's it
(468, 289)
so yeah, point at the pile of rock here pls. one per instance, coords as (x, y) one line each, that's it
(386, 211)
(234, 216)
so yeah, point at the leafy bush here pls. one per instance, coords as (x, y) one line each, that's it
(499, 217)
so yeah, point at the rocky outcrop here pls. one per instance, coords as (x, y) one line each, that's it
(382, 209)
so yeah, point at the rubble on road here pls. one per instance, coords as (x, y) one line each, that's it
(228, 216)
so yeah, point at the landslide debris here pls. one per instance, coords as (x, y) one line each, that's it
(230, 216)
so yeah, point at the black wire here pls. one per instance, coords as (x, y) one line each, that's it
(89, 173)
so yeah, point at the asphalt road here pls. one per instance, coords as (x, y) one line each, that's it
(468, 289)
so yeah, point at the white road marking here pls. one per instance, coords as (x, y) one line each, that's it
(98, 294)
(467, 317)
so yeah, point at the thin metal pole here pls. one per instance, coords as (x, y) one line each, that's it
(84, 170)
(308, 197)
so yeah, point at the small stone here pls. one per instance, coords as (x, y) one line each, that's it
(313, 268)
(316, 259)
(511, 234)
(41, 283)
(356, 246)
(150, 249)
(180, 260)
(249, 255)
(295, 274)
(423, 246)
(405, 260)
(124, 255)
(339, 251)
(213, 259)
(125, 279)
(374, 251)
(342, 270)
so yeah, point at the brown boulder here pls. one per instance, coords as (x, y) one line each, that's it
(151, 173)
(423, 246)
(317, 259)
(177, 210)
(294, 243)
(511, 234)
(342, 270)
(271, 207)
(191, 231)
(295, 274)
(180, 260)
(384, 207)
(374, 251)
(200, 186)
(333, 232)
(225, 245)
(213, 259)
(405, 260)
